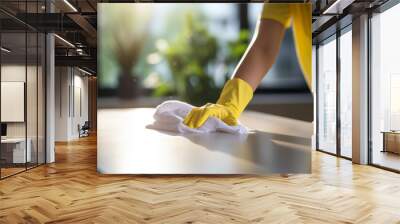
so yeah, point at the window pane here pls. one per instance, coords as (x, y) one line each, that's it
(345, 94)
(327, 97)
(385, 86)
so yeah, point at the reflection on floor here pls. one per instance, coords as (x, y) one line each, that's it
(10, 171)
(387, 159)
(71, 191)
(346, 152)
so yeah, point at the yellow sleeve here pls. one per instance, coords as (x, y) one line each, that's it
(303, 37)
(279, 12)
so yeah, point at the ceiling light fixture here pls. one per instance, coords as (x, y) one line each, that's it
(65, 41)
(84, 71)
(5, 50)
(70, 5)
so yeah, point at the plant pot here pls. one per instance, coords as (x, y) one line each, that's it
(128, 86)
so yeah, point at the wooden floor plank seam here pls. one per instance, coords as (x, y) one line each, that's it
(71, 191)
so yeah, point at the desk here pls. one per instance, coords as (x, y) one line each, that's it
(391, 141)
(15, 148)
(126, 146)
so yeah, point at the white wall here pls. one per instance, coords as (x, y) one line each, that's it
(62, 82)
(80, 104)
(12, 101)
(33, 126)
(71, 94)
(12, 73)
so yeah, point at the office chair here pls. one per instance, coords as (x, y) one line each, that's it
(84, 130)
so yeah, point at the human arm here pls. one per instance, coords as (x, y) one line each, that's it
(238, 91)
(261, 53)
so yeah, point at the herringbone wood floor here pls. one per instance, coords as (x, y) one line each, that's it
(70, 191)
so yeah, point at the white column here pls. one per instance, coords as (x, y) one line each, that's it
(360, 90)
(50, 93)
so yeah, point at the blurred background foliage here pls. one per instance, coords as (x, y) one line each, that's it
(181, 63)
(189, 58)
(154, 52)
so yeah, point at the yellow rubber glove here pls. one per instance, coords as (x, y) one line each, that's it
(234, 98)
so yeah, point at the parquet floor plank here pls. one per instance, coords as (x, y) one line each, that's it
(71, 191)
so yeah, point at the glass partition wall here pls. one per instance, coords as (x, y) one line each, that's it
(385, 89)
(334, 94)
(345, 93)
(22, 78)
(13, 89)
(327, 95)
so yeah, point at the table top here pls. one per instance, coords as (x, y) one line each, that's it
(391, 132)
(13, 140)
(275, 145)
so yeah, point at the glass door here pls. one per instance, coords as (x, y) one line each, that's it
(326, 101)
(35, 89)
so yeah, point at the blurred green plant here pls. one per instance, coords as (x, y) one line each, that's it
(189, 58)
(125, 41)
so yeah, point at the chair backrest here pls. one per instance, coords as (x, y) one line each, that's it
(3, 129)
(86, 124)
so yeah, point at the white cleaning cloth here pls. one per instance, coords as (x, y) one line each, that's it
(170, 114)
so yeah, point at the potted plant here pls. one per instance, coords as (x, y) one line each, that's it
(129, 30)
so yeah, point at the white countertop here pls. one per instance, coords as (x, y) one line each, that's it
(126, 146)
(13, 140)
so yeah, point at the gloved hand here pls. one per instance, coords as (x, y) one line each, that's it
(234, 98)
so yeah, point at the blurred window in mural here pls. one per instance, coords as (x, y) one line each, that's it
(182, 51)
